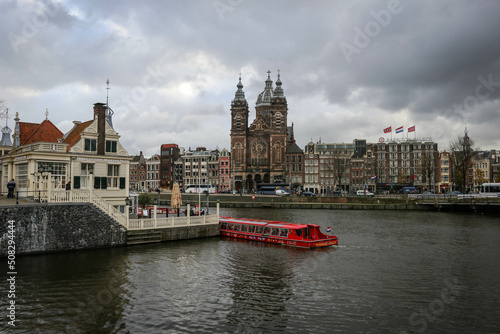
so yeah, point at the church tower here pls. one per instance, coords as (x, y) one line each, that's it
(239, 126)
(258, 149)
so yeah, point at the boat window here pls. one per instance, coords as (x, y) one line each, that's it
(298, 232)
(244, 228)
(251, 228)
(275, 231)
(230, 226)
(223, 226)
(267, 230)
(258, 229)
(284, 232)
(237, 227)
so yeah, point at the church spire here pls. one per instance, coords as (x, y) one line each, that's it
(6, 131)
(278, 91)
(240, 94)
(109, 111)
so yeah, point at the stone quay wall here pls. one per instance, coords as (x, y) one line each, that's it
(40, 228)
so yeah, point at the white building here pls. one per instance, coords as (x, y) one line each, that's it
(89, 156)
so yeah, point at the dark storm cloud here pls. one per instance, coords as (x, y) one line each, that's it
(174, 65)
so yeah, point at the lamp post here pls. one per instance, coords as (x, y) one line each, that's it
(208, 194)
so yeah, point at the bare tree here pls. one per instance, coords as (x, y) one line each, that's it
(461, 159)
(427, 164)
(479, 177)
(338, 166)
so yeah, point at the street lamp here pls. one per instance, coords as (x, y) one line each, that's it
(208, 194)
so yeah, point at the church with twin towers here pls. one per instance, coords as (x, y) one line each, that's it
(259, 150)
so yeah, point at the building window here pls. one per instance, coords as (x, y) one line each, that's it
(278, 120)
(86, 172)
(113, 176)
(110, 146)
(57, 170)
(91, 145)
(238, 122)
(21, 175)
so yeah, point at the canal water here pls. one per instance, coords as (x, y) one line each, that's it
(393, 272)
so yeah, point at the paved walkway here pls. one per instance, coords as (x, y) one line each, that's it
(12, 201)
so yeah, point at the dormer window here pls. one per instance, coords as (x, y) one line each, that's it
(91, 145)
(110, 146)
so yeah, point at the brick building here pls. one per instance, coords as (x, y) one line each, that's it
(258, 150)
(169, 154)
(225, 171)
(406, 162)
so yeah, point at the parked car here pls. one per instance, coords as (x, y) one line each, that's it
(282, 192)
(308, 193)
(364, 193)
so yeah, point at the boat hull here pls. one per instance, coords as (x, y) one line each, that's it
(284, 241)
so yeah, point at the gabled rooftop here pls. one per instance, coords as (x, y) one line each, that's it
(43, 132)
(74, 135)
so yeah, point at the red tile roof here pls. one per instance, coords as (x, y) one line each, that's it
(76, 133)
(43, 132)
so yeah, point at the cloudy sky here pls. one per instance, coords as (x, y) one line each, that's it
(349, 68)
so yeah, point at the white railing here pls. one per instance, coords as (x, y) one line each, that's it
(154, 223)
(43, 147)
(85, 196)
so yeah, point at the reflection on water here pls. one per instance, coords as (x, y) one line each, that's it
(393, 272)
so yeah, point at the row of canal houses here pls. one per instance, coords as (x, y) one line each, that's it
(88, 157)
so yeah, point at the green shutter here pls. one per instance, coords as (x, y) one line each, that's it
(76, 182)
(104, 183)
(122, 182)
(97, 182)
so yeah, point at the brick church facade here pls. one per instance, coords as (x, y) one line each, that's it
(258, 150)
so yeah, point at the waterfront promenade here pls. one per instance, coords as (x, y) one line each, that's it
(379, 202)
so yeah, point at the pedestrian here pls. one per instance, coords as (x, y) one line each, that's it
(11, 186)
(68, 185)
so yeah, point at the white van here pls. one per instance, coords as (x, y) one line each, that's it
(364, 193)
(282, 192)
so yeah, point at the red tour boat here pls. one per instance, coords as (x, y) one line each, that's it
(286, 234)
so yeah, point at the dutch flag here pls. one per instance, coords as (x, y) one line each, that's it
(400, 129)
(328, 229)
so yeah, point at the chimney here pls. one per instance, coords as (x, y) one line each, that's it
(100, 115)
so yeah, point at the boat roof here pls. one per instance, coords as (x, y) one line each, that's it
(267, 223)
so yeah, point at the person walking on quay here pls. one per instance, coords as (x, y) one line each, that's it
(11, 186)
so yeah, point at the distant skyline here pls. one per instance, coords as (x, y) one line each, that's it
(350, 69)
